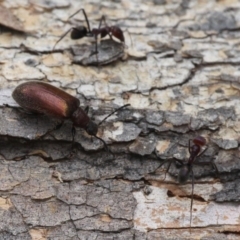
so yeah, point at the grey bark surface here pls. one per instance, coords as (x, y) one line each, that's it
(180, 74)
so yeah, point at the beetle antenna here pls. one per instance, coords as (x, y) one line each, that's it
(85, 15)
(126, 105)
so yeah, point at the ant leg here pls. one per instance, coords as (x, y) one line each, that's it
(215, 168)
(96, 48)
(170, 162)
(189, 145)
(178, 163)
(209, 163)
(96, 37)
(169, 165)
(203, 151)
(189, 148)
(191, 206)
(85, 15)
(103, 19)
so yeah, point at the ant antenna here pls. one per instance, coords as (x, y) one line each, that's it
(74, 28)
(191, 206)
(130, 38)
(85, 15)
(62, 37)
(113, 113)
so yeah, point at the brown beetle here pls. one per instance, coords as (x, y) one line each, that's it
(44, 98)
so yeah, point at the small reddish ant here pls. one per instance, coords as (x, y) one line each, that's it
(82, 31)
(195, 150)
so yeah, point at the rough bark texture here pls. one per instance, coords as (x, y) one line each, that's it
(181, 78)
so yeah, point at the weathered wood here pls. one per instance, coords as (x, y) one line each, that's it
(181, 78)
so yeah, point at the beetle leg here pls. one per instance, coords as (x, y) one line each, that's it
(59, 125)
(104, 144)
(73, 134)
(86, 109)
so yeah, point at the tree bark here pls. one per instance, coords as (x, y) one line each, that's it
(180, 75)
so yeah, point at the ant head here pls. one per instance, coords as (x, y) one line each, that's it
(199, 140)
(79, 32)
(184, 173)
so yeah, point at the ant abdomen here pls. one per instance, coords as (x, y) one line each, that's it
(82, 31)
(199, 140)
(184, 173)
(118, 33)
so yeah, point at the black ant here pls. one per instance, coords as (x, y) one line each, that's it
(186, 168)
(81, 31)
